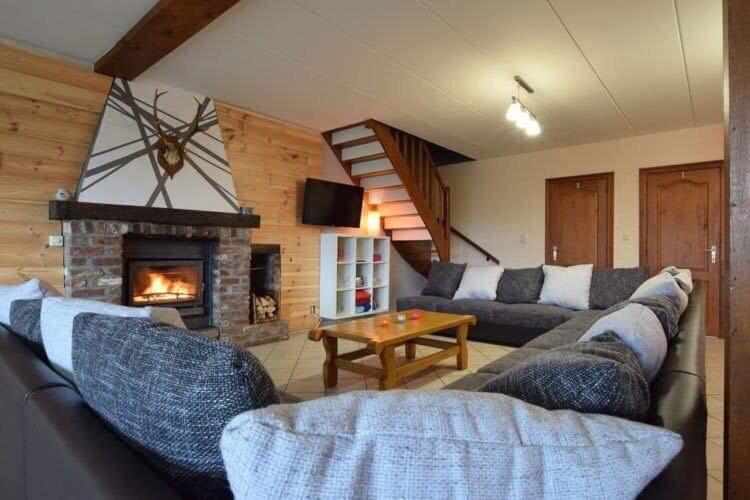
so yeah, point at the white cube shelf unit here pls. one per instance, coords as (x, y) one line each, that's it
(345, 258)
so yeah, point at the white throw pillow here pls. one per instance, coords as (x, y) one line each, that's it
(479, 282)
(433, 444)
(567, 286)
(641, 330)
(57, 318)
(662, 284)
(30, 290)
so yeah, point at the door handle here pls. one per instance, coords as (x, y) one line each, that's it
(713, 251)
(554, 254)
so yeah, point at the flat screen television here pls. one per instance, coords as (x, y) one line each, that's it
(332, 204)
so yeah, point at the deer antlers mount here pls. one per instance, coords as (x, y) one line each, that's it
(171, 147)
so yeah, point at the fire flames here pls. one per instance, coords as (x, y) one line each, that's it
(163, 288)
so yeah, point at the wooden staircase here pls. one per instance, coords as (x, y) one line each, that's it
(402, 183)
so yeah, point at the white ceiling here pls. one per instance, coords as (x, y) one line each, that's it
(441, 69)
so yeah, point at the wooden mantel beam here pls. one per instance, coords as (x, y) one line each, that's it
(164, 28)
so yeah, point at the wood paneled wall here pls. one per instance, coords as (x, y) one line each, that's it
(49, 111)
(270, 161)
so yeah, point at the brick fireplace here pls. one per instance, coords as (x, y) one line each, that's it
(109, 260)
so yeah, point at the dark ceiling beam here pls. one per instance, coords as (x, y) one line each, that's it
(164, 28)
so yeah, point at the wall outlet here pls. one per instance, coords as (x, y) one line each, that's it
(626, 237)
(55, 240)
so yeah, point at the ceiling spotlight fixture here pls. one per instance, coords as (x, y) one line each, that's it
(520, 114)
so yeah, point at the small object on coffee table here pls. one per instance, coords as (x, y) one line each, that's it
(415, 315)
(401, 317)
(384, 322)
(382, 341)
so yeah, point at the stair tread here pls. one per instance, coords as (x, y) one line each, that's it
(356, 142)
(377, 173)
(375, 156)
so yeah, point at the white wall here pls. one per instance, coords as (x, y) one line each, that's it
(404, 281)
(499, 202)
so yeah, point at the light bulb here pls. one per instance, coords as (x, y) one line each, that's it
(523, 120)
(513, 111)
(533, 129)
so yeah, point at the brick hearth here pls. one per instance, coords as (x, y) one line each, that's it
(94, 270)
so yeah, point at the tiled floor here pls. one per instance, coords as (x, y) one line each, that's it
(295, 366)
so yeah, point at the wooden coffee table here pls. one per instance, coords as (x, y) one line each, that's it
(383, 340)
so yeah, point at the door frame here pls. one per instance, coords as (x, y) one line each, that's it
(610, 177)
(643, 174)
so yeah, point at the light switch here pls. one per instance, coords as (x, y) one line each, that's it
(626, 237)
(523, 238)
(55, 240)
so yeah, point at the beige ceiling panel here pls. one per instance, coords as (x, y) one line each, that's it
(79, 29)
(525, 37)
(221, 64)
(635, 48)
(327, 49)
(701, 27)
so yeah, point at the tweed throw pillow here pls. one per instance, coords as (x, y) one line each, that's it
(168, 393)
(612, 286)
(439, 444)
(520, 286)
(31, 289)
(25, 316)
(444, 279)
(640, 329)
(601, 375)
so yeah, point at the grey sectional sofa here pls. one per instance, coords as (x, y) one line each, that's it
(678, 393)
(515, 324)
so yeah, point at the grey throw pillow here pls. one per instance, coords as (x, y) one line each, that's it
(168, 393)
(439, 444)
(666, 309)
(25, 317)
(601, 375)
(444, 279)
(611, 286)
(520, 286)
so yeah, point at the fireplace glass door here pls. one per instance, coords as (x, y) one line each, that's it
(175, 283)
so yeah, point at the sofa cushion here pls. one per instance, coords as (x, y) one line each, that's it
(520, 286)
(568, 332)
(444, 279)
(437, 444)
(600, 375)
(612, 286)
(168, 393)
(498, 313)
(423, 302)
(25, 319)
(510, 360)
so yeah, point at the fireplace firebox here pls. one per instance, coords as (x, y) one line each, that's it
(170, 272)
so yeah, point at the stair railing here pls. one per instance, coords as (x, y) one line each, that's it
(412, 161)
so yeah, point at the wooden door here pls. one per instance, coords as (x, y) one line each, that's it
(681, 225)
(579, 220)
